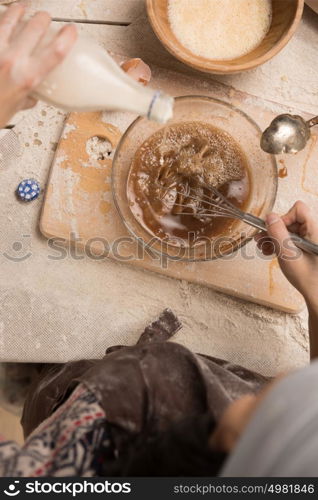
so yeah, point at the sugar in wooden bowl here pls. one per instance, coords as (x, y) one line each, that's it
(224, 36)
(220, 29)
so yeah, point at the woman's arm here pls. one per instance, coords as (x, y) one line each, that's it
(300, 268)
(313, 330)
(23, 62)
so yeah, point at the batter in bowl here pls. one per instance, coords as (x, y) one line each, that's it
(179, 163)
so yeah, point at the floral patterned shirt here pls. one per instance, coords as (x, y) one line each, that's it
(63, 445)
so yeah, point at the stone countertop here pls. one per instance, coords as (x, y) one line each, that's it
(57, 310)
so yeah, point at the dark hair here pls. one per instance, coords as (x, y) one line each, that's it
(182, 450)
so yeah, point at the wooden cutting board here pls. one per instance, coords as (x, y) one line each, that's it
(78, 204)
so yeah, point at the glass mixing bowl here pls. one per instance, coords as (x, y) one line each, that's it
(262, 170)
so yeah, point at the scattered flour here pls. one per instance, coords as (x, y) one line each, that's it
(99, 149)
(71, 179)
(67, 129)
(60, 159)
(119, 118)
(91, 163)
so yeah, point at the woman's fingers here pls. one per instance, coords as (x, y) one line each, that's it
(31, 33)
(29, 103)
(8, 23)
(49, 57)
(298, 220)
(294, 228)
(26, 57)
(299, 213)
(276, 239)
(280, 237)
(301, 219)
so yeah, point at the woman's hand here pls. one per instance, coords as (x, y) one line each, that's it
(24, 62)
(300, 268)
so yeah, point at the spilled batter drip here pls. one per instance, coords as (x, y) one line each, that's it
(165, 190)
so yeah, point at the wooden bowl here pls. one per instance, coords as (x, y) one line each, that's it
(286, 17)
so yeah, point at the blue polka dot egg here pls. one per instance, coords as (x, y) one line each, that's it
(28, 190)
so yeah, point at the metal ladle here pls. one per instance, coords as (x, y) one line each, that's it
(287, 134)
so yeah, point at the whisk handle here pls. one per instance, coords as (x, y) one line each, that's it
(254, 221)
(304, 244)
(300, 242)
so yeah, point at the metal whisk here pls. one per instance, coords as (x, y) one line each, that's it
(217, 205)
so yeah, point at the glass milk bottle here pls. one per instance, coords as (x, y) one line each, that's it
(89, 80)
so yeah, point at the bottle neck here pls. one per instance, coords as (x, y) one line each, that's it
(155, 105)
(161, 107)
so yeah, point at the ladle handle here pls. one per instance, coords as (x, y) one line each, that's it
(312, 122)
(302, 243)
